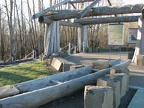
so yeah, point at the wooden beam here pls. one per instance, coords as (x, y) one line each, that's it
(73, 5)
(49, 9)
(107, 10)
(80, 1)
(87, 9)
(88, 21)
(65, 23)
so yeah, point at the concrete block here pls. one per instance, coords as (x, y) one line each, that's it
(9, 90)
(122, 77)
(57, 63)
(67, 65)
(140, 60)
(98, 97)
(73, 67)
(100, 64)
(121, 70)
(115, 84)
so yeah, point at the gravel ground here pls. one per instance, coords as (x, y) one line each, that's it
(76, 100)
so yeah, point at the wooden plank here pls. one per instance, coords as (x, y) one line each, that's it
(87, 9)
(107, 10)
(88, 21)
(49, 9)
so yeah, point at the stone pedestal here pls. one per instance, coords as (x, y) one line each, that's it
(115, 84)
(98, 97)
(100, 64)
(122, 77)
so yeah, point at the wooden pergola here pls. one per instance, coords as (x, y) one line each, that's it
(82, 18)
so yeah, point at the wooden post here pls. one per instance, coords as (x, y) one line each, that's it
(79, 39)
(83, 47)
(82, 38)
(85, 36)
(69, 48)
(33, 54)
(46, 40)
(139, 49)
(52, 39)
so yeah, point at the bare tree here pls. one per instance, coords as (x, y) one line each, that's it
(11, 29)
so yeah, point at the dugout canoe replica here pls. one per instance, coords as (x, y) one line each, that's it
(34, 93)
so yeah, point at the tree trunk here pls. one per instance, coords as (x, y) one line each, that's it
(11, 30)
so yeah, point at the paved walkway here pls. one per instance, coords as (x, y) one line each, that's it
(136, 72)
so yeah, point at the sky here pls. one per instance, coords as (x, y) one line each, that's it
(133, 1)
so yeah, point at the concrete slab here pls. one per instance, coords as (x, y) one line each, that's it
(57, 63)
(115, 84)
(138, 100)
(98, 97)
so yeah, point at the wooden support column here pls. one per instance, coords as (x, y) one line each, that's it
(52, 39)
(82, 38)
(84, 35)
(139, 50)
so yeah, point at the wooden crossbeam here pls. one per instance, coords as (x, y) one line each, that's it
(65, 23)
(99, 11)
(80, 1)
(83, 12)
(49, 9)
(89, 21)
